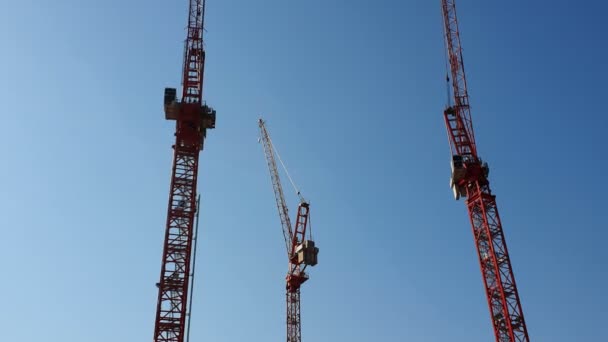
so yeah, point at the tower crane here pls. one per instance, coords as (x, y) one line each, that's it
(301, 252)
(469, 178)
(192, 117)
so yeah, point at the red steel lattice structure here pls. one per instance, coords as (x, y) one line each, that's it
(300, 252)
(470, 179)
(193, 117)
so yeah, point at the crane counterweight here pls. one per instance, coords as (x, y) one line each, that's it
(306, 253)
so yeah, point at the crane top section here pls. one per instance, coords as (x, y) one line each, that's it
(300, 251)
(458, 116)
(467, 167)
(194, 54)
(192, 114)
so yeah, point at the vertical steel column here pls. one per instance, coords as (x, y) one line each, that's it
(175, 269)
(501, 290)
(294, 329)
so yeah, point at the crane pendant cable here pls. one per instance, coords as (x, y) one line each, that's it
(286, 172)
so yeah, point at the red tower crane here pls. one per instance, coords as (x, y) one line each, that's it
(301, 252)
(193, 117)
(469, 179)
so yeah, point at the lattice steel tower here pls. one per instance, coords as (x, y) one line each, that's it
(469, 179)
(193, 117)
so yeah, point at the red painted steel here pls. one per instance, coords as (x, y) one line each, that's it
(296, 277)
(193, 118)
(293, 238)
(501, 290)
(294, 325)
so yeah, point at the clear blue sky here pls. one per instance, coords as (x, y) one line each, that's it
(353, 93)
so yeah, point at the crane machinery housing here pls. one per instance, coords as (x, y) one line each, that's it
(469, 178)
(193, 117)
(301, 252)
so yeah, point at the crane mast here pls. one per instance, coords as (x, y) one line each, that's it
(469, 179)
(193, 117)
(300, 252)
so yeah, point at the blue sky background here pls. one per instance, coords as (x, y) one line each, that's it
(353, 93)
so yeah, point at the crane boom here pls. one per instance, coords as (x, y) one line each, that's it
(276, 186)
(470, 179)
(192, 118)
(300, 252)
(461, 127)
